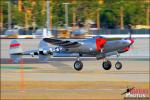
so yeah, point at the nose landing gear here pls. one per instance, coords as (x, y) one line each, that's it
(107, 64)
(118, 64)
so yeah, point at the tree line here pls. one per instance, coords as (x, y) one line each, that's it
(133, 11)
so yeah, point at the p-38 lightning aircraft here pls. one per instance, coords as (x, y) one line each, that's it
(99, 47)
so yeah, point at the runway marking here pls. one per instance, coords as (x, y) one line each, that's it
(22, 85)
(15, 67)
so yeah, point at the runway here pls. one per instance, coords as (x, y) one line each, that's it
(60, 67)
(57, 79)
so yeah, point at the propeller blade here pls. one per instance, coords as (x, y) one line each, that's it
(130, 31)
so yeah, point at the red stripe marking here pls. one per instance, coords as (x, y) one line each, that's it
(15, 45)
(100, 43)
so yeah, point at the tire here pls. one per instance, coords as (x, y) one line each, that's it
(118, 65)
(107, 65)
(78, 65)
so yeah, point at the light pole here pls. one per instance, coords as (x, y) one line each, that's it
(98, 19)
(1, 19)
(74, 17)
(66, 14)
(121, 18)
(73, 20)
(147, 17)
(9, 15)
(48, 17)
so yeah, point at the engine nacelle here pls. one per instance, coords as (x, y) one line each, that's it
(124, 50)
(100, 56)
(103, 55)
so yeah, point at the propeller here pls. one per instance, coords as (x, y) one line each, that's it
(130, 31)
(130, 35)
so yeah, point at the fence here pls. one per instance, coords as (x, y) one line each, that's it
(91, 32)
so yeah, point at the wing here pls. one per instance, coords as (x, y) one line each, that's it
(65, 44)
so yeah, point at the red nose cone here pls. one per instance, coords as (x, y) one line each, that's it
(132, 41)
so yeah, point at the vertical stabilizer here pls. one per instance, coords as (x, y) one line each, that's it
(15, 51)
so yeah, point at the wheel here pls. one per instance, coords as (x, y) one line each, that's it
(78, 65)
(118, 65)
(107, 65)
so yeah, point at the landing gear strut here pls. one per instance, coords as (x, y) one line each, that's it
(78, 65)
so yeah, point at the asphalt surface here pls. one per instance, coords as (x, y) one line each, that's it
(63, 71)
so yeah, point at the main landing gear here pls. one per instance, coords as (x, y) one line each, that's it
(118, 64)
(107, 64)
(78, 65)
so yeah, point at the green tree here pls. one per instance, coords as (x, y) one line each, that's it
(134, 12)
